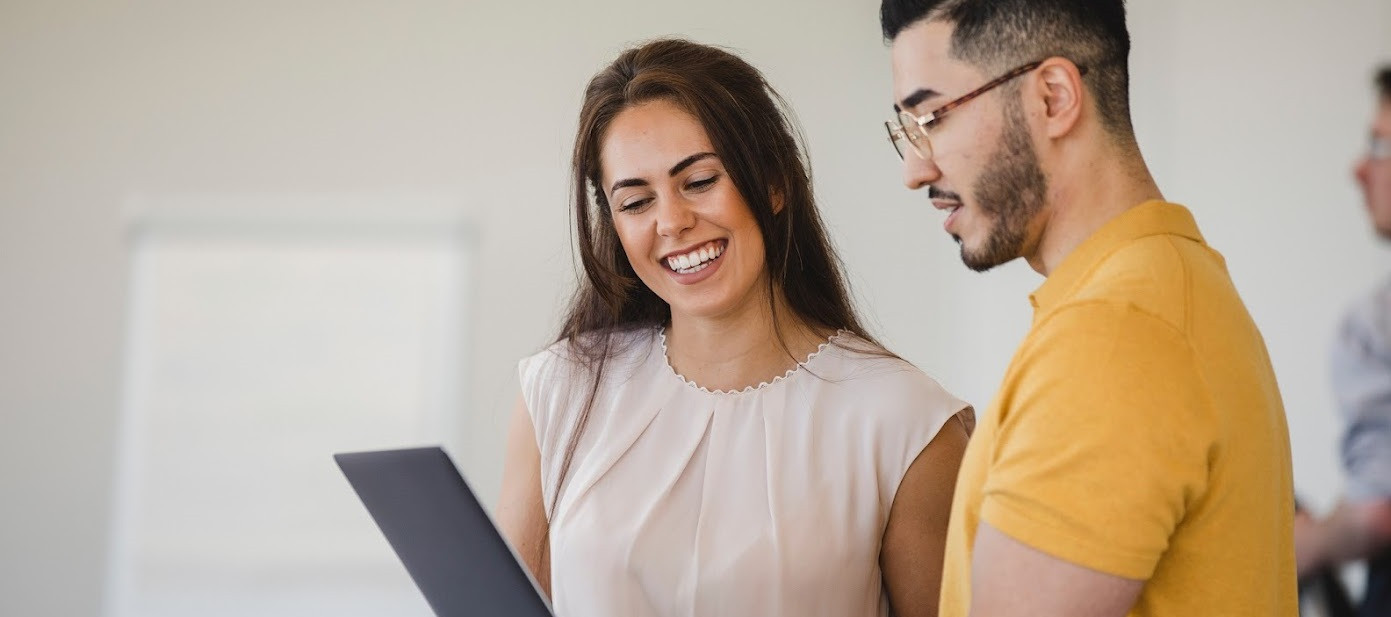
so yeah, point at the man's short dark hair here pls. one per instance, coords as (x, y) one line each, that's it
(1383, 82)
(998, 35)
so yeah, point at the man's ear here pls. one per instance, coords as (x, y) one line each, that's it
(1059, 87)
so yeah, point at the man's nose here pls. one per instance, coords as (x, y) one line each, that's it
(918, 171)
(1361, 171)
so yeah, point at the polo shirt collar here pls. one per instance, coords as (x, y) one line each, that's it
(1151, 218)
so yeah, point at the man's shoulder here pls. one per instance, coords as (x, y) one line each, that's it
(1100, 319)
(1367, 321)
(1376, 302)
(1150, 274)
(1158, 275)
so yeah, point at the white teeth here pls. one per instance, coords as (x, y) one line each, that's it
(695, 269)
(696, 260)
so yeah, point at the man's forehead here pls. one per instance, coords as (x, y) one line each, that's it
(922, 42)
(922, 60)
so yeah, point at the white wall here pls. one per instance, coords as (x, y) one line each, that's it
(1250, 112)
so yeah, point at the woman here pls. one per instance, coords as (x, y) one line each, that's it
(714, 433)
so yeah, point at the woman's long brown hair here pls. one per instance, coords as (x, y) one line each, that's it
(759, 145)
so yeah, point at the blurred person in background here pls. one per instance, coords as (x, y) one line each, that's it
(1359, 526)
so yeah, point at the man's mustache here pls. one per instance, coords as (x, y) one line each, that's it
(936, 193)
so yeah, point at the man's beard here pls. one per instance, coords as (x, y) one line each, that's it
(1010, 193)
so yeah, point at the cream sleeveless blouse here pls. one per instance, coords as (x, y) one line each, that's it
(770, 501)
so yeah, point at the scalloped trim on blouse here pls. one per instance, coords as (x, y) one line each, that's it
(662, 333)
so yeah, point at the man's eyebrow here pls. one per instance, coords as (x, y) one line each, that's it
(918, 96)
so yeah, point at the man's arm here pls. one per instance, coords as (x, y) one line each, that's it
(1360, 525)
(1353, 531)
(1012, 579)
(1098, 458)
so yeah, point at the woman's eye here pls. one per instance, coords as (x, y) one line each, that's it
(634, 204)
(702, 183)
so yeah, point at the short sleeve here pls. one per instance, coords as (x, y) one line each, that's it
(1362, 384)
(533, 372)
(922, 407)
(1106, 441)
(546, 379)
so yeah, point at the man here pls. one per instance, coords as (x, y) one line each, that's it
(1136, 458)
(1360, 525)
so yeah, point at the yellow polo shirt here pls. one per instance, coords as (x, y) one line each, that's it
(1139, 431)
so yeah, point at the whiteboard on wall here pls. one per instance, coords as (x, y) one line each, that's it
(264, 335)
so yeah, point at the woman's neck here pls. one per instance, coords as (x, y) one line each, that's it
(737, 351)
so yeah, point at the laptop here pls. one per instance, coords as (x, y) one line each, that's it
(439, 530)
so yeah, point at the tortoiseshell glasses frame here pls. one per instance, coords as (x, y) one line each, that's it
(910, 131)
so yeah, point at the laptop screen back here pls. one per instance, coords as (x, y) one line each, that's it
(442, 534)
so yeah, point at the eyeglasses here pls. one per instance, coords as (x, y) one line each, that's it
(1379, 148)
(910, 132)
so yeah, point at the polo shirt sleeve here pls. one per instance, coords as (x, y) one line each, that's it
(1106, 440)
(1362, 384)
